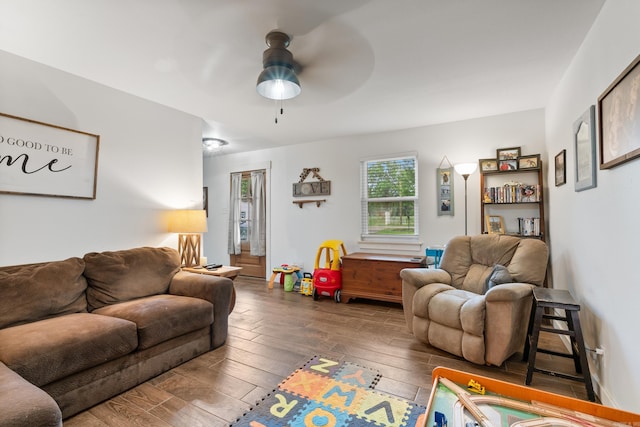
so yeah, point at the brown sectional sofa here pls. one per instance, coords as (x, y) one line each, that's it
(76, 332)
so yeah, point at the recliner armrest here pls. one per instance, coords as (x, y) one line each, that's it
(419, 277)
(414, 279)
(509, 292)
(217, 290)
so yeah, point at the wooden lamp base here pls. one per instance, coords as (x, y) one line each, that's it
(189, 249)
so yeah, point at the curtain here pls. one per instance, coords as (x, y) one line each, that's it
(257, 233)
(233, 246)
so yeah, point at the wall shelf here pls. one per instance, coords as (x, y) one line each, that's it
(301, 203)
(512, 208)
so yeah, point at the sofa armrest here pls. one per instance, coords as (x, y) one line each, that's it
(24, 404)
(506, 320)
(217, 290)
(412, 280)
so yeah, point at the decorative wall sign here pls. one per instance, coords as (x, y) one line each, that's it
(318, 188)
(46, 160)
(444, 188)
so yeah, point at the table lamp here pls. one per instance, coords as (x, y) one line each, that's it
(189, 223)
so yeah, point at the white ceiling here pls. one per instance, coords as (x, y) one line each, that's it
(369, 65)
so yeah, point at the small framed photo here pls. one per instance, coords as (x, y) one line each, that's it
(508, 153)
(508, 165)
(488, 165)
(495, 224)
(561, 172)
(529, 162)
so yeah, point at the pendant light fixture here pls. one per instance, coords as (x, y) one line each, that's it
(278, 80)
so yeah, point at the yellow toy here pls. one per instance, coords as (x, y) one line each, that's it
(306, 285)
(327, 281)
(475, 387)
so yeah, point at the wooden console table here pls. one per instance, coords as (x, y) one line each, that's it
(375, 276)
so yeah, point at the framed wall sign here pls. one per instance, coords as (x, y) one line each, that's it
(46, 160)
(619, 118)
(584, 135)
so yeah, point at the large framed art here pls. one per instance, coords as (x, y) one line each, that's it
(40, 159)
(619, 118)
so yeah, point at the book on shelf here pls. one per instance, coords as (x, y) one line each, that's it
(529, 226)
(512, 193)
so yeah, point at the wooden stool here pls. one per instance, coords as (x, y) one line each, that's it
(555, 299)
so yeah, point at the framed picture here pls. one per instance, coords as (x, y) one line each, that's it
(529, 162)
(488, 165)
(561, 173)
(508, 153)
(47, 160)
(619, 118)
(508, 165)
(444, 184)
(495, 224)
(584, 134)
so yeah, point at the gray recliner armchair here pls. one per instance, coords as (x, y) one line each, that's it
(477, 304)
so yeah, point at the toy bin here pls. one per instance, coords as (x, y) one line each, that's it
(327, 280)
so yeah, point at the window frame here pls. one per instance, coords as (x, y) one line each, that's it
(365, 199)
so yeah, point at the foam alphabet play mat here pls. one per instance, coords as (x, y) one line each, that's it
(332, 393)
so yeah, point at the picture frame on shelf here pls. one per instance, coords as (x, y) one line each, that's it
(494, 224)
(560, 171)
(508, 165)
(488, 165)
(619, 128)
(508, 153)
(584, 135)
(529, 162)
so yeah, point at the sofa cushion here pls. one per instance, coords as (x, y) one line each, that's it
(120, 276)
(38, 291)
(162, 317)
(50, 349)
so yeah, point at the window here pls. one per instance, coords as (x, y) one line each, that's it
(390, 197)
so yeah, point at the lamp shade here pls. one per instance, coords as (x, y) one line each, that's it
(188, 221)
(465, 168)
(278, 82)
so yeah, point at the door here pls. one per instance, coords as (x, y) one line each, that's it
(248, 224)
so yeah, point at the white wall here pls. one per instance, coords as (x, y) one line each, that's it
(295, 233)
(594, 233)
(149, 161)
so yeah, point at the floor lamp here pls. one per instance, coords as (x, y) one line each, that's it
(189, 223)
(465, 169)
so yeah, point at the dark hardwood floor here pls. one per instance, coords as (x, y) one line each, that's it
(272, 333)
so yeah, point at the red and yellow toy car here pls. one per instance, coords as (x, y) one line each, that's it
(327, 280)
